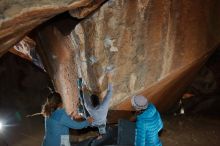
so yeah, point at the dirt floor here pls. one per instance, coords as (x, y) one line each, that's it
(191, 131)
(27, 132)
(179, 131)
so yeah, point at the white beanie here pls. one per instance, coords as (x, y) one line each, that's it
(139, 102)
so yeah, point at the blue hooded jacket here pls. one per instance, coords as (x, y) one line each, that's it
(58, 124)
(148, 125)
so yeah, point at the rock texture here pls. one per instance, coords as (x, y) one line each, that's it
(24, 48)
(56, 50)
(17, 18)
(205, 89)
(155, 47)
(82, 12)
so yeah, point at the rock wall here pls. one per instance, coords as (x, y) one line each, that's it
(155, 47)
(17, 18)
(55, 48)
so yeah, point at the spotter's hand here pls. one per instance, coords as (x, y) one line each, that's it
(90, 119)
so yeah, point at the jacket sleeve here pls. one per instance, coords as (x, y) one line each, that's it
(108, 96)
(67, 121)
(87, 101)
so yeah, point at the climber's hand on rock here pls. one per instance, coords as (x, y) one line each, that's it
(90, 119)
(109, 76)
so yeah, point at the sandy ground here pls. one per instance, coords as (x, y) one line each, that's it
(28, 132)
(191, 131)
(178, 131)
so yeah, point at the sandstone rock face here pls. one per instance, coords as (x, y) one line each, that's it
(17, 18)
(56, 50)
(154, 47)
(24, 48)
(82, 12)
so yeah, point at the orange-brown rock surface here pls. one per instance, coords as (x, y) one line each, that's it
(24, 48)
(154, 46)
(57, 54)
(17, 18)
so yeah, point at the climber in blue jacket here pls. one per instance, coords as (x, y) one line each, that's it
(57, 122)
(148, 122)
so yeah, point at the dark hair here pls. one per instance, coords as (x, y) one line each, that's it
(53, 102)
(95, 100)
